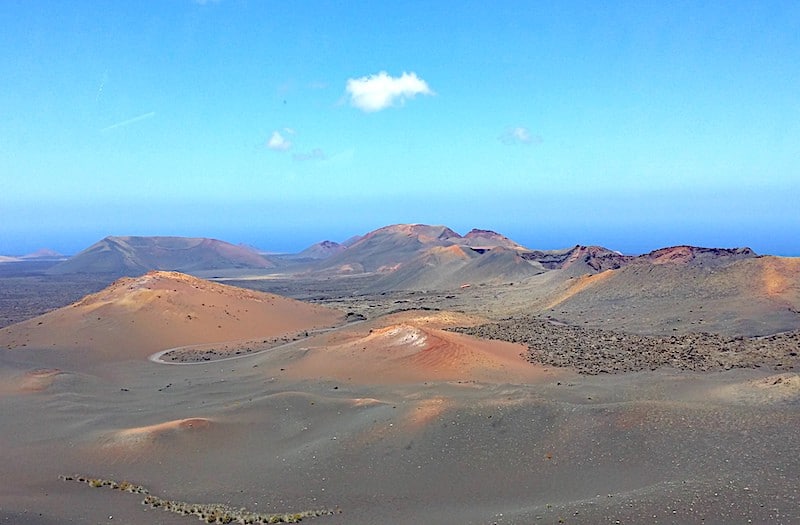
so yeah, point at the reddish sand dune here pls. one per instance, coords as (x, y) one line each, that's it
(781, 277)
(31, 381)
(454, 251)
(134, 443)
(412, 347)
(578, 285)
(38, 380)
(424, 411)
(783, 387)
(133, 318)
(145, 434)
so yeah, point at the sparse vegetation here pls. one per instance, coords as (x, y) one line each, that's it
(206, 512)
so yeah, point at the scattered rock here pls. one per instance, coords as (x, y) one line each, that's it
(595, 351)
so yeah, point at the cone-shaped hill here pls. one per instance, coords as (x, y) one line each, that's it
(321, 250)
(478, 238)
(384, 249)
(134, 317)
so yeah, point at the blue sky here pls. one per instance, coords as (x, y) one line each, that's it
(634, 125)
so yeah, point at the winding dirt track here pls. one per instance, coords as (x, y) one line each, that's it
(156, 357)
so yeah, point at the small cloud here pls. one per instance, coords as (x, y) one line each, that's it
(377, 92)
(519, 135)
(314, 154)
(278, 142)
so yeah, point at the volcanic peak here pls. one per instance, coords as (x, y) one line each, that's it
(322, 250)
(684, 254)
(489, 239)
(425, 233)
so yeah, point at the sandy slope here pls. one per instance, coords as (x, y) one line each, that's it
(253, 434)
(391, 421)
(135, 317)
(748, 296)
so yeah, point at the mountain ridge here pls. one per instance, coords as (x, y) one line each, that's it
(403, 257)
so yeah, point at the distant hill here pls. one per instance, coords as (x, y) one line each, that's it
(425, 257)
(696, 255)
(579, 259)
(403, 242)
(384, 249)
(499, 264)
(450, 267)
(41, 255)
(487, 238)
(321, 250)
(434, 268)
(137, 255)
(679, 289)
(590, 283)
(44, 254)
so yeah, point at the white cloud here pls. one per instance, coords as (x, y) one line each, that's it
(519, 135)
(377, 92)
(278, 142)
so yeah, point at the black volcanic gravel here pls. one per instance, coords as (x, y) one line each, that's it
(596, 351)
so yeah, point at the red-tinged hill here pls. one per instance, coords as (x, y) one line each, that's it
(424, 257)
(384, 249)
(478, 238)
(405, 247)
(134, 317)
(412, 347)
(696, 255)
